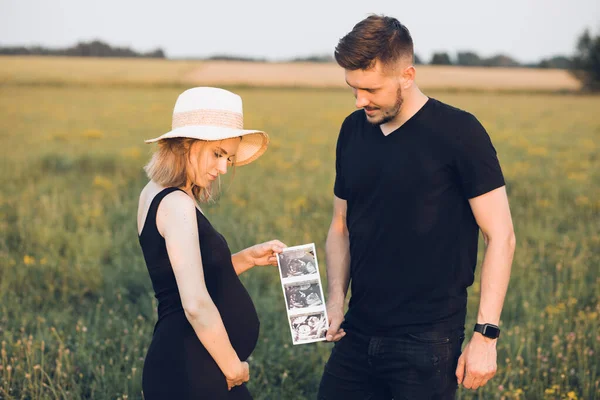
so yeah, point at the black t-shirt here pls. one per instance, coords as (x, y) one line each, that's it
(413, 236)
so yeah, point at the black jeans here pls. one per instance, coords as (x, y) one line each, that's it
(411, 366)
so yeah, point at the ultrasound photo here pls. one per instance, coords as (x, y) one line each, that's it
(308, 328)
(300, 261)
(303, 294)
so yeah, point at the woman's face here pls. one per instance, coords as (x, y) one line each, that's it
(208, 160)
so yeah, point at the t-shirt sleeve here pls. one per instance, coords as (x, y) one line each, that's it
(476, 161)
(339, 188)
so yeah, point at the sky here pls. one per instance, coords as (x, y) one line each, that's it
(527, 30)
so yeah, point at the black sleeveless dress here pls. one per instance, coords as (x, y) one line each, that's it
(177, 366)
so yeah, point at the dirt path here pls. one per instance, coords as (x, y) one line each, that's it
(330, 75)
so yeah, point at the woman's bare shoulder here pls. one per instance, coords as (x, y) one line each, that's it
(149, 192)
(176, 214)
(175, 209)
(177, 199)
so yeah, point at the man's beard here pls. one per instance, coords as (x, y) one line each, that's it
(391, 113)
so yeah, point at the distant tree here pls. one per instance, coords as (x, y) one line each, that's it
(97, 48)
(317, 58)
(440, 59)
(13, 51)
(586, 62)
(558, 62)
(468, 58)
(418, 60)
(229, 57)
(158, 53)
(500, 60)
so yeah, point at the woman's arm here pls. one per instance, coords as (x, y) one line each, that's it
(260, 254)
(176, 222)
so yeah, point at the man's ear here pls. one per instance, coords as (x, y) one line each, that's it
(408, 77)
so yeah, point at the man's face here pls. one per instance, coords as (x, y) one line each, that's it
(377, 91)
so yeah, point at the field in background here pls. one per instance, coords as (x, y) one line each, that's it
(76, 303)
(151, 72)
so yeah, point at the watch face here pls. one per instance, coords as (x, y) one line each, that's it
(491, 331)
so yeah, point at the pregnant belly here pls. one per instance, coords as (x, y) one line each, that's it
(239, 317)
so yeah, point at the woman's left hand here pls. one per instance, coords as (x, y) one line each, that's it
(264, 253)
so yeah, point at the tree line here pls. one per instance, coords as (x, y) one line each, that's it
(94, 48)
(98, 48)
(465, 59)
(472, 59)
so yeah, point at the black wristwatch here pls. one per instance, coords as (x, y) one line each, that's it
(488, 330)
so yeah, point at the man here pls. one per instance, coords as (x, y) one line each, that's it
(416, 180)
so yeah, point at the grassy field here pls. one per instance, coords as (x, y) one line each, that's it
(76, 304)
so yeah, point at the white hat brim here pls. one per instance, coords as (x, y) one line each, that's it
(254, 143)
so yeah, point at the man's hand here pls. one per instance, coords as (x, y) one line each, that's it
(335, 313)
(477, 364)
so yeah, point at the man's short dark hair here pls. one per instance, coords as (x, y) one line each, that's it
(376, 37)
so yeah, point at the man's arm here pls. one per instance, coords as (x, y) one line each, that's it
(337, 254)
(477, 364)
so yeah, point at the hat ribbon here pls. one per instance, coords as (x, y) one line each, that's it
(206, 117)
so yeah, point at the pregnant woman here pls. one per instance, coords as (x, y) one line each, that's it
(207, 324)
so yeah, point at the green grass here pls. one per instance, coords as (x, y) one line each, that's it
(76, 304)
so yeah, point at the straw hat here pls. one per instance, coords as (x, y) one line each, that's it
(208, 113)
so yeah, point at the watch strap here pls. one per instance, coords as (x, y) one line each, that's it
(488, 330)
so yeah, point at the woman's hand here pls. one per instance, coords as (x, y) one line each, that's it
(264, 253)
(238, 377)
(259, 254)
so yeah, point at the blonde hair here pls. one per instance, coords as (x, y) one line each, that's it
(168, 167)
